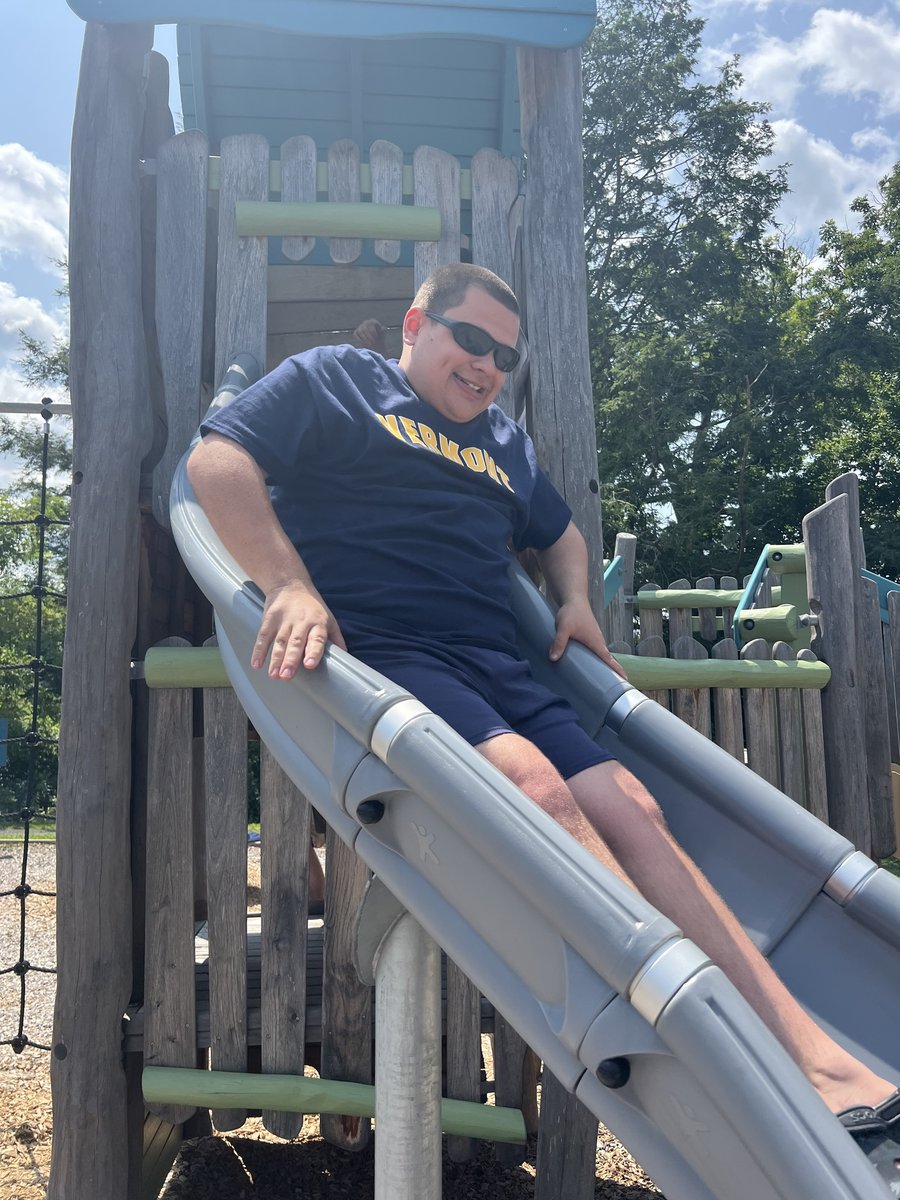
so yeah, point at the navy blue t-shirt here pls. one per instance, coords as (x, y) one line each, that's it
(403, 518)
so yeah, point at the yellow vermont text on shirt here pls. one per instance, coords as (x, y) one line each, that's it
(417, 433)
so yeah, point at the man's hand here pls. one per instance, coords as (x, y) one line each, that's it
(575, 621)
(296, 625)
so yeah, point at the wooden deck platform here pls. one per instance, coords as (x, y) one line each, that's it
(134, 1023)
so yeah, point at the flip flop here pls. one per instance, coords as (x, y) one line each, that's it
(889, 1111)
(878, 1139)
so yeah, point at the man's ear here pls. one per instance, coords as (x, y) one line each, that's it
(412, 325)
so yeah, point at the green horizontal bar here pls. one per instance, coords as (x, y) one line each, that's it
(401, 222)
(184, 666)
(365, 178)
(689, 598)
(301, 1094)
(201, 666)
(778, 624)
(787, 560)
(648, 672)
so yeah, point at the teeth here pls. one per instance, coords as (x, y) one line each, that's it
(471, 386)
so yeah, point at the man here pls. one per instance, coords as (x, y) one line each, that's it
(396, 491)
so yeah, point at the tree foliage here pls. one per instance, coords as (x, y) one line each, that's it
(33, 568)
(728, 376)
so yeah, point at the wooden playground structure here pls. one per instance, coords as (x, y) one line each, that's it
(183, 254)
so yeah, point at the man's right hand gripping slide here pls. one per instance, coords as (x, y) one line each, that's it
(296, 625)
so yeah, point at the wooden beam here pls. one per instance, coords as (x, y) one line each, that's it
(562, 419)
(339, 283)
(109, 389)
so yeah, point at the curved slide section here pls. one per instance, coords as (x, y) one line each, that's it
(584, 968)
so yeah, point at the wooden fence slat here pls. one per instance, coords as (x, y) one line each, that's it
(691, 705)
(225, 738)
(892, 636)
(834, 598)
(284, 829)
(298, 186)
(620, 614)
(198, 789)
(343, 188)
(759, 719)
(182, 169)
(241, 271)
(681, 620)
(169, 1011)
(708, 627)
(727, 712)
(728, 583)
(436, 184)
(386, 166)
(565, 1122)
(890, 681)
(346, 1002)
(653, 646)
(878, 738)
(790, 732)
(813, 746)
(463, 1051)
(651, 620)
(495, 190)
(515, 1084)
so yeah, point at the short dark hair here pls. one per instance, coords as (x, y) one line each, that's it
(447, 286)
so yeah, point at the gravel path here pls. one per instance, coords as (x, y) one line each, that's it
(249, 1165)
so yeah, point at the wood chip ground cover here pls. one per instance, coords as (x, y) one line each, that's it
(247, 1165)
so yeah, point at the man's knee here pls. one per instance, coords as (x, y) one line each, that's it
(522, 762)
(616, 802)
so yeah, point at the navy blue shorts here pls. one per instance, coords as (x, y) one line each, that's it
(482, 693)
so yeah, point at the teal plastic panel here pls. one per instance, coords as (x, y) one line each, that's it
(531, 22)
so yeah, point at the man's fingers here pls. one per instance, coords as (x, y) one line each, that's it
(315, 646)
(558, 645)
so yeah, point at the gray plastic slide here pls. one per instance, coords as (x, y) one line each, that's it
(627, 1013)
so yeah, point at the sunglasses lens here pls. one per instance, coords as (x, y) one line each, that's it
(505, 358)
(478, 342)
(472, 339)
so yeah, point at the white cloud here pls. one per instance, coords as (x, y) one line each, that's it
(841, 53)
(854, 55)
(773, 72)
(34, 206)
(24, 312)
(823, 179)
(14, 391)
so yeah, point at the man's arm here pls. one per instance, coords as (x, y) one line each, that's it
(231, 488)
(565, 567)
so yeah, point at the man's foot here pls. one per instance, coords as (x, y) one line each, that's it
(877, 1133)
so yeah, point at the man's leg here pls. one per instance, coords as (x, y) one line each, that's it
(626, 830)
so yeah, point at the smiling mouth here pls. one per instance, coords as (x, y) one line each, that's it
(471, 387)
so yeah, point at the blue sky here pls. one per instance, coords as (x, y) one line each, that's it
(830, 71)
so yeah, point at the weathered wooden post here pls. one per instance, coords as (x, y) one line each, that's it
(112, 432)
(833, 599)
(562, 420)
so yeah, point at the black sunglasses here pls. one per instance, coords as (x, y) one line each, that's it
(475, 340)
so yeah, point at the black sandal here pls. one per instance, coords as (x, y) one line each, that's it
(889, 1111)
(877, 1133)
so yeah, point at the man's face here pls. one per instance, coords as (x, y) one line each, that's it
(455, 382)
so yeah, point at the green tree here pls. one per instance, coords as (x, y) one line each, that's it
(851, 321)
(690, 296)
(32, 607)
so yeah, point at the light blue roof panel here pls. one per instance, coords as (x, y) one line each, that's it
(528, 22)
